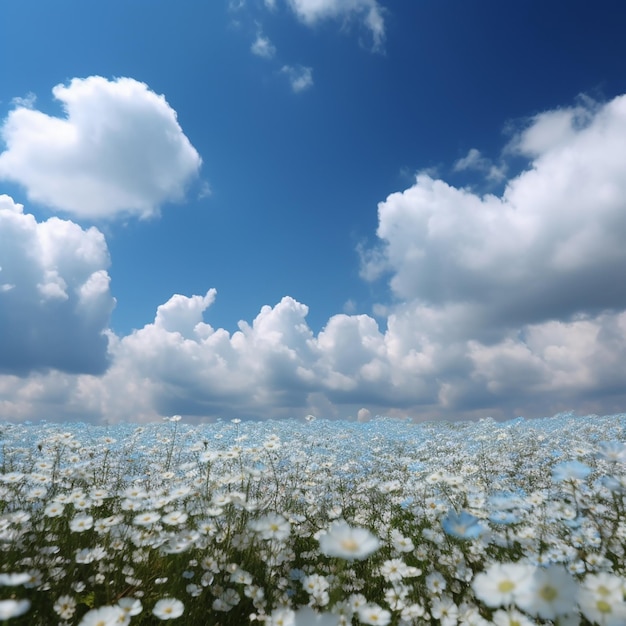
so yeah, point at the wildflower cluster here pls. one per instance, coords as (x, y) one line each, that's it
(315, 523)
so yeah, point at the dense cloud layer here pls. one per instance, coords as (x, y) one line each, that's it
(118, 150)
(55, 301)
(503, 305)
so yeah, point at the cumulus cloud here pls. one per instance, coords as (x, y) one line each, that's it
(272, 367)
(474, 160)
(503, 305)
(550, 130)
(368, 11)
(118, 149)
(550, 246)
(422, 366)
(263, 47)
(55, 301)
(300, 77)
(520, 288)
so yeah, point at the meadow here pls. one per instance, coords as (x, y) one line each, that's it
(315, 522)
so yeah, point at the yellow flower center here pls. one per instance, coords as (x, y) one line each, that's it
(548, 593)
(506, 586)
(349, 544)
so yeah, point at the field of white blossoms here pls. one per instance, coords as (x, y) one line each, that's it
(315, 523)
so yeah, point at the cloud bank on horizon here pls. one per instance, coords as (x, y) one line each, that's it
(510, 302)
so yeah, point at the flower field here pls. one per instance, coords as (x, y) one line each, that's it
(288, 523)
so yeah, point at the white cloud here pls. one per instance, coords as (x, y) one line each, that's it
(474, 160)
(550, 130)
(184, 365)
(118, 150)
(369, 11)
(364, 415)
(300, 77)
(508, 284)
(583, 356)
(423, 365)
(263, 47)
(551, 246)
(55, 301)
(503, 305)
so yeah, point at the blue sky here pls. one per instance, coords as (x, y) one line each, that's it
(275, 208)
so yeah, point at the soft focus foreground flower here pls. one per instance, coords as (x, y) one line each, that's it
(348, 543)
(374, 615)
(13, 608)
(308, 617)
(168, 608)
(462, 525)
(13, 580)
(502, 583)
(614, 451)
(601, 599)
(570, 470)
(130, 606)
(272, 526)
(281, 617)
(552, 593)
(104, 616)
(511, 617)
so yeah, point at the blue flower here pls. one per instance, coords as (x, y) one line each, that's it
(612, 484)
(407, 502)
(570, 470)
(506, 501)
(504, 517)
(613, 451)
(462, 525)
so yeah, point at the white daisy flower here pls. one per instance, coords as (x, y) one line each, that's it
(81, 523)
(601, 599)
(13, 608)
(349, 543)
(502, 583)
(14, 579)
(175, 518)
(105, 616)
(168, 608)
(551, 594)
(65, 607)
(511, 617)
(272, 526)
(148, 518)
(374, 615)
